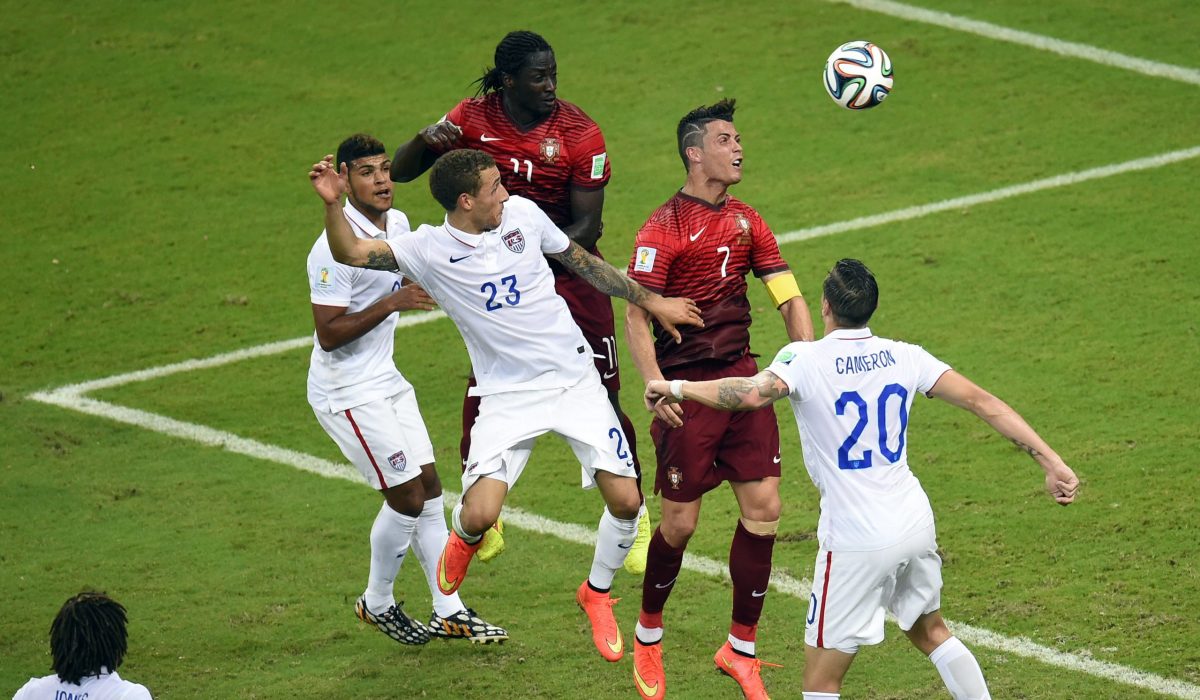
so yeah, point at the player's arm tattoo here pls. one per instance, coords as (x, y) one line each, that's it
(601, 275)
(746, 393)
(382, 259)
(1029, 449)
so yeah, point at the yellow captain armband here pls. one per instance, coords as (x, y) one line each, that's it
(782, 288)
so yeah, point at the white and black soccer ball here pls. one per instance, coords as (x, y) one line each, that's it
(858, 75)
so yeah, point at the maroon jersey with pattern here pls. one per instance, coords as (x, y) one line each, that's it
(565, 150)
(690, 248)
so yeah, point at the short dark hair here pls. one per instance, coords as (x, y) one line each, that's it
(358, 146)
(690, 131)
(456, 172)
(87, 634)
(512, 53)
(852, 293)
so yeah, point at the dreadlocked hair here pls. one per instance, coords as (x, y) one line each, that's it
(511, 54)
(87, 634)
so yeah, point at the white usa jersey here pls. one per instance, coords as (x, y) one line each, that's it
(362, 370)
(106, 686)
(499, 291)
(852, 394)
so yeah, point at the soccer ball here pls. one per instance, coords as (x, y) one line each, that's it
(858, 75)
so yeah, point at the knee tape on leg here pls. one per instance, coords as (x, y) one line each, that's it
(764, 528)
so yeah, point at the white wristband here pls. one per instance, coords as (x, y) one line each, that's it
(677, 389)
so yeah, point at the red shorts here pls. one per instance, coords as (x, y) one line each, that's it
(714, 446)
(593, 313)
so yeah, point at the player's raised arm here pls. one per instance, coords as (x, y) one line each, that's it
(954, 388)
(670, 311)
(348, 249)
(728, 394)
(419, 154)
(785, 294)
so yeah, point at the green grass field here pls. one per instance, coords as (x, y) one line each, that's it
(156, 209)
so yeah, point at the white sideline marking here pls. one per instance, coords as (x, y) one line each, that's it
(1063, 48)
(917, 212)
(72, 397)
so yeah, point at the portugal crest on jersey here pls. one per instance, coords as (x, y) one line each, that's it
(514, 240)
(550, 150)
(743, 223)
(674, 477)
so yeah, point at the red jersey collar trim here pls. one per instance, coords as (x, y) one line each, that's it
(471, 240)
(851, 333)
(499, 97)
(704, 203)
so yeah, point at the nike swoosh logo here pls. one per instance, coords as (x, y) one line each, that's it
(454, 259)
(756, 594)
(665, 585)
(616, 647)
(696, 235)
(610, 375)
(625, 546)
(775, 459)
(485, 138)
(648, 690)
(445, 586)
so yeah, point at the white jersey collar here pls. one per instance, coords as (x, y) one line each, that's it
(850, 333)
(468, 239)
(362, 223)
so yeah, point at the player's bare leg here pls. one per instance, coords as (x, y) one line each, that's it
(475, 513)
(663, 562)
(954, 661)
(635, 562)
(493, 539)
(614, 537)
(824, 670)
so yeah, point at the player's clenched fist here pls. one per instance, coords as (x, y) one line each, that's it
(441, 135)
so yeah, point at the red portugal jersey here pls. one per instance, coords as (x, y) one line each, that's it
(690, 248)
(565, 150)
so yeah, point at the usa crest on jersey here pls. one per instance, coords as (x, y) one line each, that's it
(514, 240)
(550, 149)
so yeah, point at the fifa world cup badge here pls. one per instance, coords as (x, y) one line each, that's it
(675, 477)
(550, 150)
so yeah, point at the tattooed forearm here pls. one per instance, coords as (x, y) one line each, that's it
(749, 393)
(381, 260)
(601, 275)
(1027, 448)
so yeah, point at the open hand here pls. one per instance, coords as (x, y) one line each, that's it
(411, 297)
(328, 181)
(676, 311)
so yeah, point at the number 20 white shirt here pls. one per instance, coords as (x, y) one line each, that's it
(861, 509)
(498, 289)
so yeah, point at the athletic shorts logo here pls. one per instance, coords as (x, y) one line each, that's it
(550, 149)
(674, 477)
(398, 461)
(514, 240)
(471, 469)
(644, 259)
(757, 594)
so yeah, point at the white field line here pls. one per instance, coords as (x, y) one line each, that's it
(798, 588)
(1071, 49)
(1073, 178)
(71, 397)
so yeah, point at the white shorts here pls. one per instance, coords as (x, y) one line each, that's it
(509, 424)
(852, 590)
(385, 439)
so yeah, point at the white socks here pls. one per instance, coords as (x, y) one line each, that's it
(456, 523)
(960, 671)
(821, 696)
(648, 635)
(391, 536)
(614, 537)
(428, 543)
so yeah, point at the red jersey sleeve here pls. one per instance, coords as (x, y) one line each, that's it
(590, 169)
(765, 258)
(653, 254)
